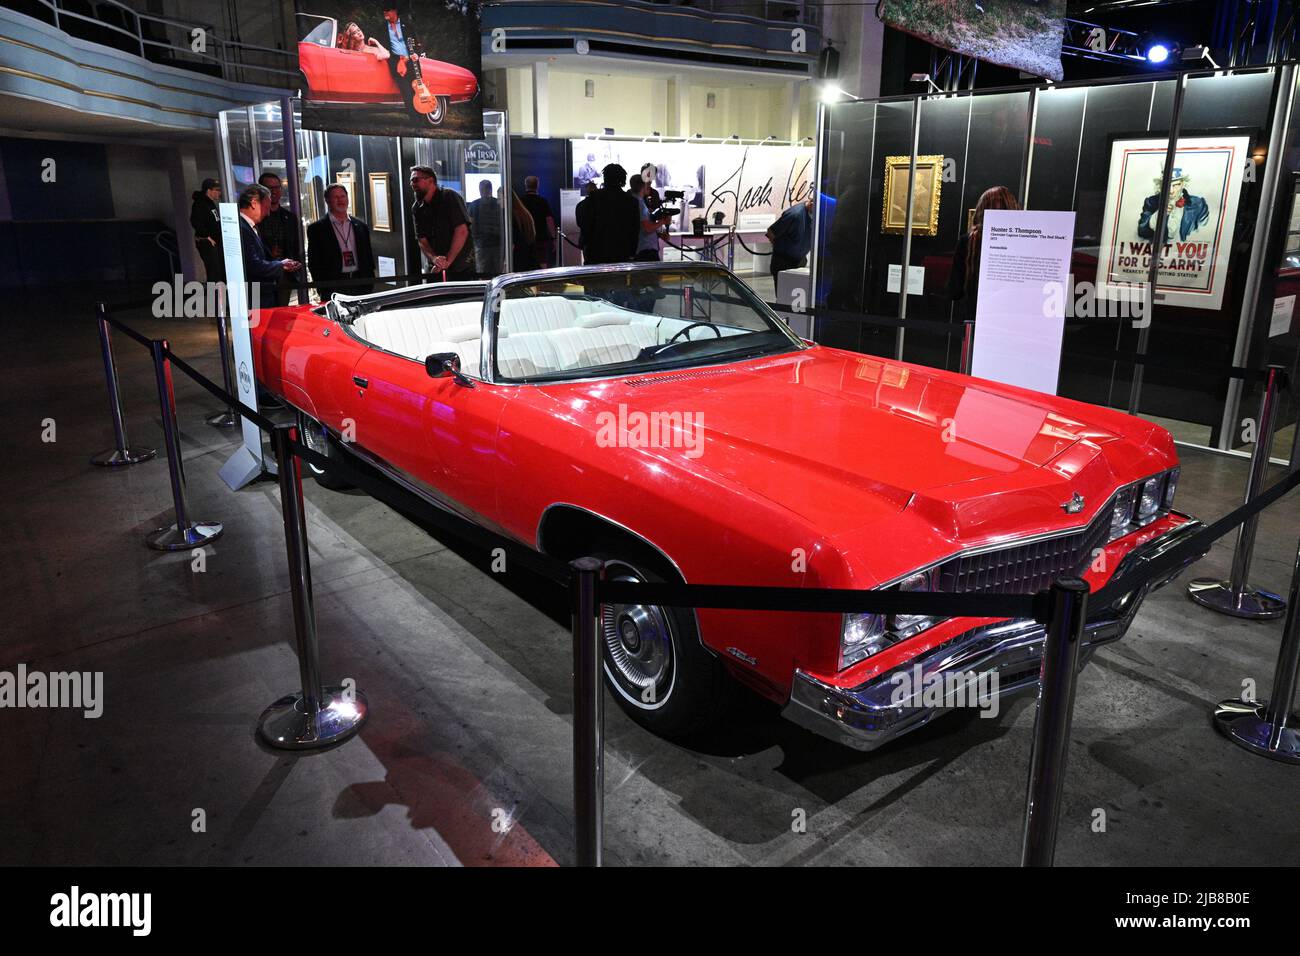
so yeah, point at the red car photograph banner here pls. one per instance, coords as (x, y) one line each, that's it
(1021, 34)
(391, 67)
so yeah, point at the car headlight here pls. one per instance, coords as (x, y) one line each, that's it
(1121, 515)
(1142, 502)
(862, 636)
(1150, 498)
(865, 635)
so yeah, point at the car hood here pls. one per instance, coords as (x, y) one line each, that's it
(842, 439)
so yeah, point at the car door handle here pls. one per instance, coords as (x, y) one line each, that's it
(361, 382)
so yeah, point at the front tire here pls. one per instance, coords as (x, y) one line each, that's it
(655, 666)
(316, 437)
(436, 115)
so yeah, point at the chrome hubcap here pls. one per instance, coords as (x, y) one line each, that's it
(638, 645)
(313, 438)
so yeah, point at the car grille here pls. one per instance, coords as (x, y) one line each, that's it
(1025, 568)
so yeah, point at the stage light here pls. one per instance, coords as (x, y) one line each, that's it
(1157, 53)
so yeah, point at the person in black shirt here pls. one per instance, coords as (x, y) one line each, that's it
(611, 222)
(279, 230)
(964, 279)
(206, 221)
(543, 223)
(441, 227)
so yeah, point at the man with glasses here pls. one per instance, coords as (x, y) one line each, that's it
(441, 227)
(279, 230)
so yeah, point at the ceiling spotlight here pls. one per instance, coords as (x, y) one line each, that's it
(1157, 53)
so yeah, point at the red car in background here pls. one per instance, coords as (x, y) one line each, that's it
(660, 417)
(351, 77)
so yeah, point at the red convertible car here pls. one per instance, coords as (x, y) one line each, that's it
(661, 417)
(348, 77)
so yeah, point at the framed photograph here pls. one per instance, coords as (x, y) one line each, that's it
(925, 198)
(1205, 189)
(348, 180)
(381, 208)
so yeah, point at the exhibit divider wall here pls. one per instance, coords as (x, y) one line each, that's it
(902, 178)
(374, 169)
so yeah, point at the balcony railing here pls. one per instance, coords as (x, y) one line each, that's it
(185, 45)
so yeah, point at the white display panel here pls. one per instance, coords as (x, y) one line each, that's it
(1024, 281)
(246, 463)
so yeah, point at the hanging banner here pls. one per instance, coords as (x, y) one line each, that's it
(391, 67)
(1023, 284)
(743, 186)
(1204, 190)
(1020, 34)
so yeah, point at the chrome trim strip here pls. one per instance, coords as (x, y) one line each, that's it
(618, 524)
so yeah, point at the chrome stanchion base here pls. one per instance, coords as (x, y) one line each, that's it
(113, 457)
(182, 539)
(1245, 725)
(1252, 603)
(287, 725)
(223, 420)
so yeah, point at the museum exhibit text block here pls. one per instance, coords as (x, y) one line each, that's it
(1024, 282)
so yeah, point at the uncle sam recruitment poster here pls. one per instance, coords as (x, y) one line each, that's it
(1205, 187)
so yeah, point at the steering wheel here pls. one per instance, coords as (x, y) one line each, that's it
(685, 329)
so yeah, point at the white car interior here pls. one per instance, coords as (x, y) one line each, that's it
(537, 335)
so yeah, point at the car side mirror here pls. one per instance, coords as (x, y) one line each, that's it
(446, 365)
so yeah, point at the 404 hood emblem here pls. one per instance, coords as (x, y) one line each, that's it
(1074, 505)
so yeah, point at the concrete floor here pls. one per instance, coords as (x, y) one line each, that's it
(466, 759)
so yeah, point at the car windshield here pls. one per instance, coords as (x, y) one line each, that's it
(629, 321)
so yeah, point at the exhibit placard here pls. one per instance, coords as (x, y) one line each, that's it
(247, 462)
(1024, 282)
(1205, 187)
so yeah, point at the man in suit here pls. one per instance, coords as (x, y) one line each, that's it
(338, 249)
(260, 270)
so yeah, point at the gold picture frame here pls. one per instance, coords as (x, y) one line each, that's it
(348, 180)
(925, 197)
(381, 205)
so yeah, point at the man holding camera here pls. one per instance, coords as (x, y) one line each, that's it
(647, 245)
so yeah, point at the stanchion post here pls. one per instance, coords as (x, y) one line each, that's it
(1235, 596)
(967, 346)
(1270, 728)
(184, 534)
(227, 418)
(588, 714)
(123, 453)
(317, 716)
(1055, 711)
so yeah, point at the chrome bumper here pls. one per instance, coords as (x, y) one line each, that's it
(885, 707)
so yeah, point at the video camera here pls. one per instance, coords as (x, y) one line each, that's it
(666, 211)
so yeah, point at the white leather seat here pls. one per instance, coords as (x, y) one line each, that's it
(604, 345)
(415, 332)
(522, 354)
(543, 313)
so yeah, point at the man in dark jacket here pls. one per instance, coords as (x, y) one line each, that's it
(338, 249)
(611, 221)
(260, 270)
(205, 219)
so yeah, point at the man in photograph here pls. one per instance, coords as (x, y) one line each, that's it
(1186, 213)
(338, 249)
(394, 38)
